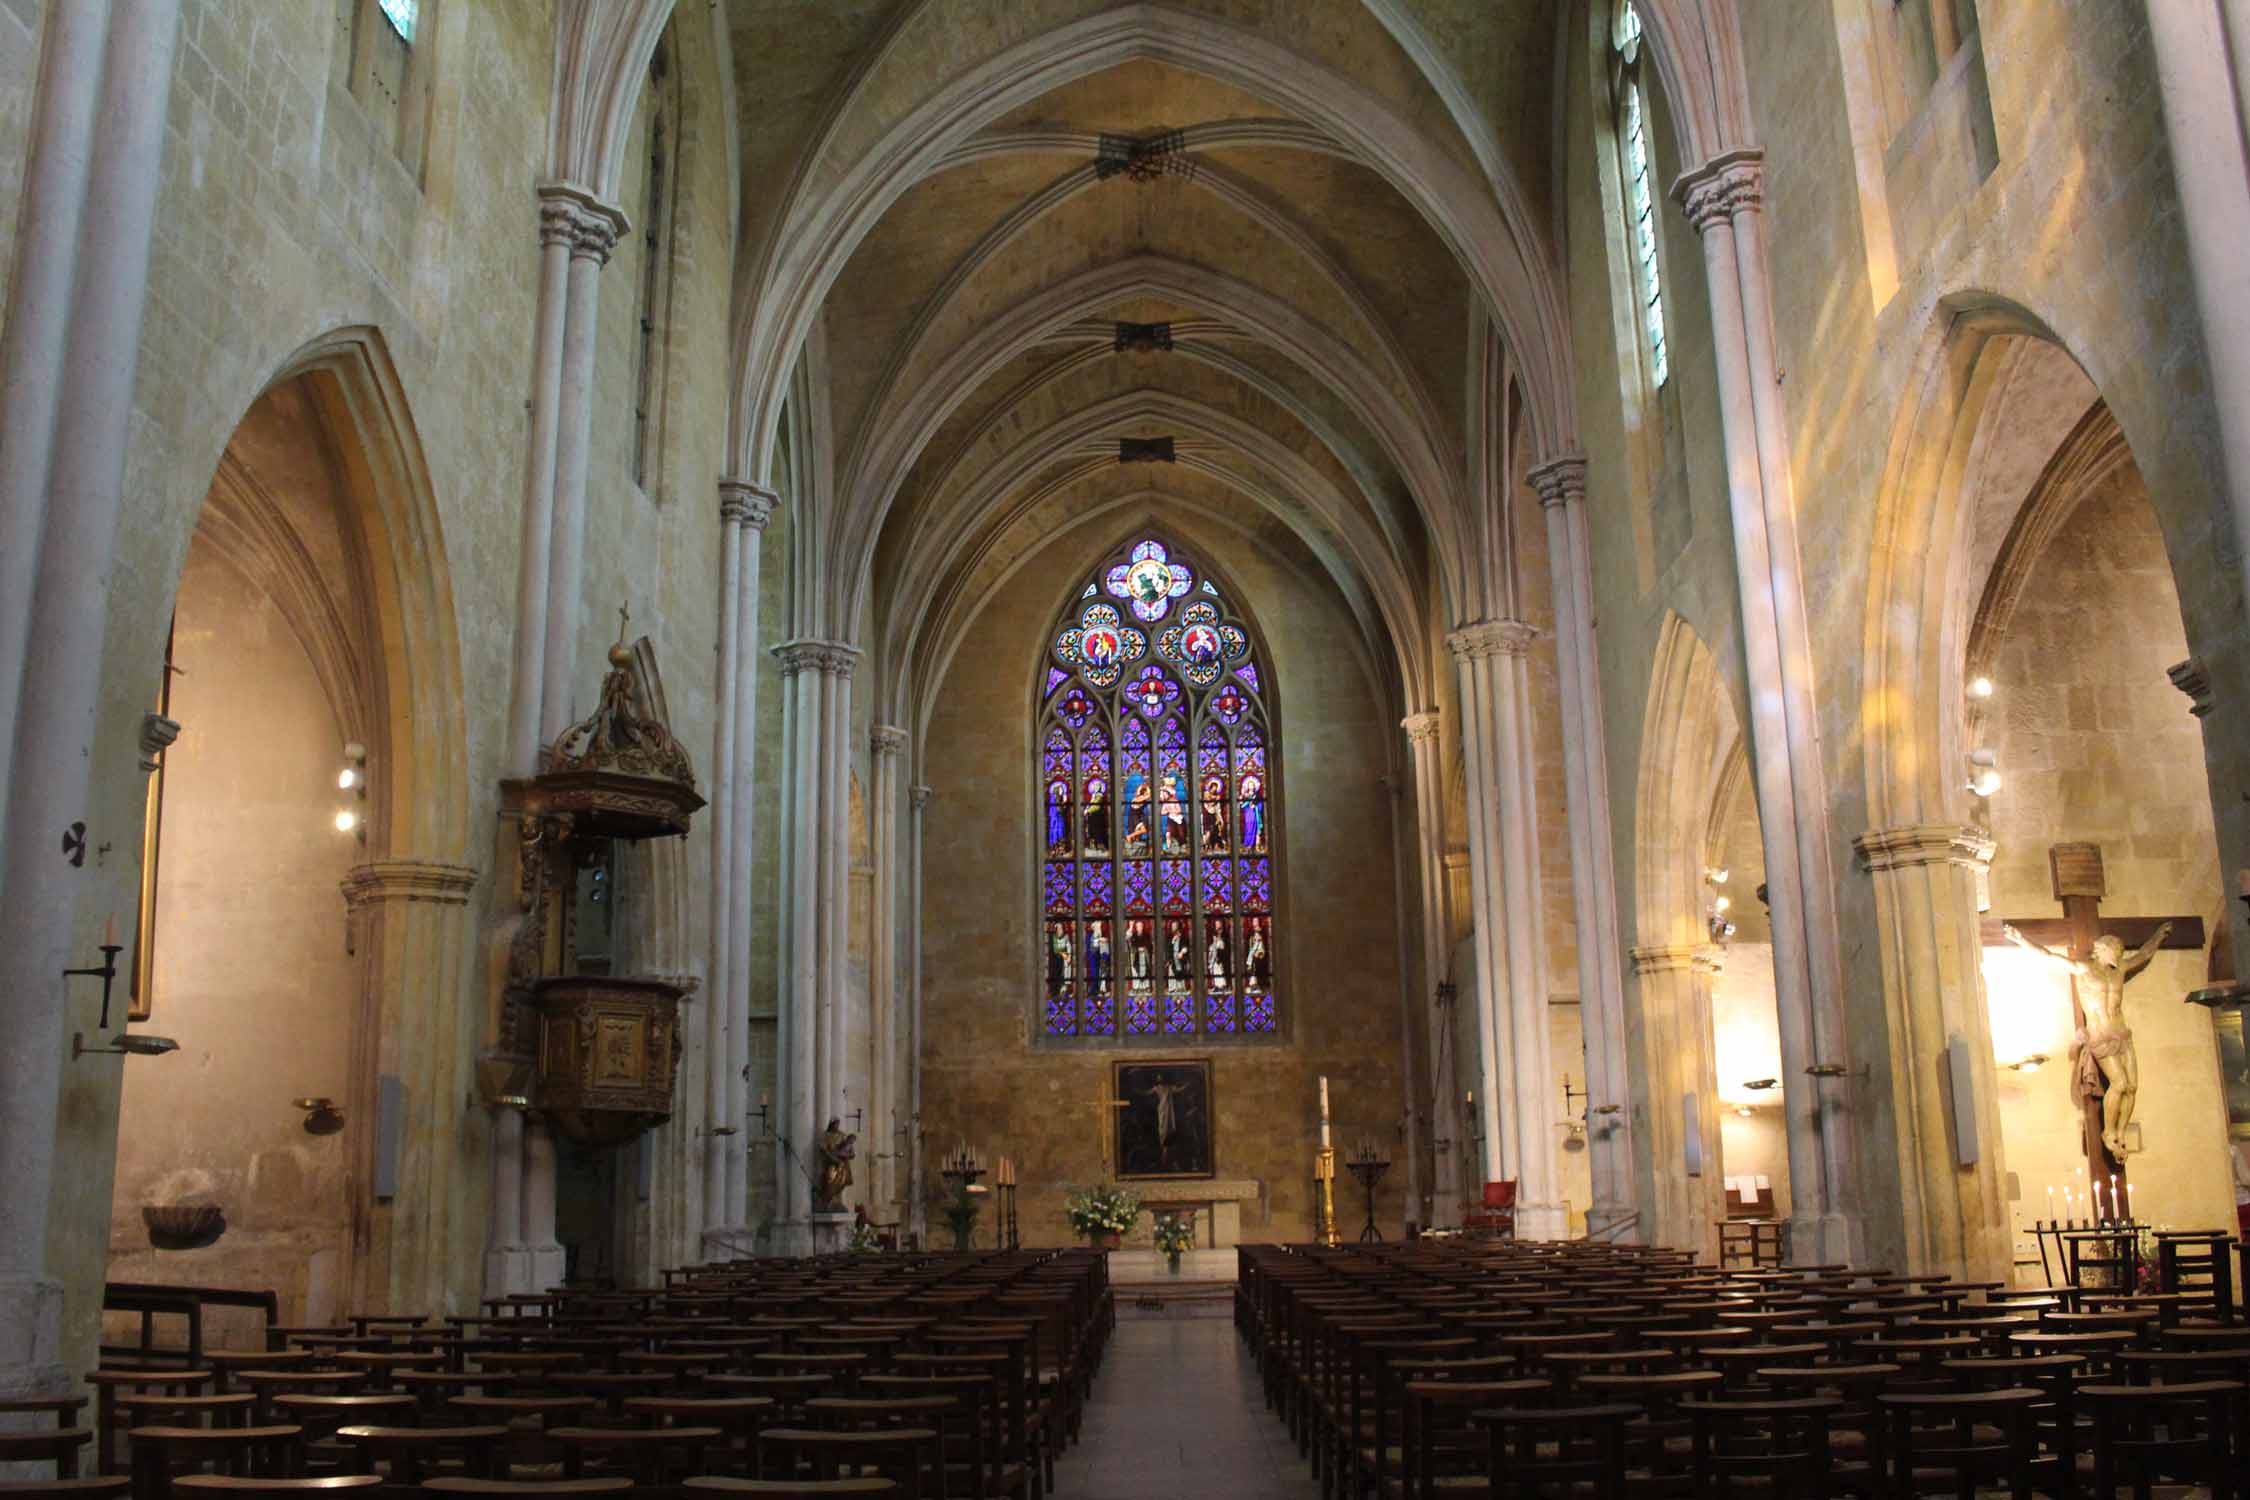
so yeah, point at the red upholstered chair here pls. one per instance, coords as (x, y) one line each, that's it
(1498, 1216)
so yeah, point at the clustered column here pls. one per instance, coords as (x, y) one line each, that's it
(1423, 742)
(1723, 199)
(576, 232)
(1601, 989)
(1684, 1193)
(745, 510)
(816, 681)
(1512, 1023)
(884, 1118)
(917, 1210)
(68, 358)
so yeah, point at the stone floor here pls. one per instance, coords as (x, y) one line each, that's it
(1177, 1414)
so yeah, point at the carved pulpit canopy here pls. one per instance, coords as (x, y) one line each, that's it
(619, 772)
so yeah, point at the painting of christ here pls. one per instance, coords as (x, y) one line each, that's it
(1165, 1128)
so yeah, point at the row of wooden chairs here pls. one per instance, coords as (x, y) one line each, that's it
(955, 1376)
(1517, 1369)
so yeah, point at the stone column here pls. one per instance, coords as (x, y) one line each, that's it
(543, 1254)
(2199, 53)
(757, 506)
(558, 221)
(1513, 1027)
(1954, 1217)
(917, 1207)
(1427, 767)
(506, 1268)
(1677, 1081)
(35, 337)
(1593, 877)
(843, 1082)
(884, 1114)
(71, 521)
(1722, 199)
(816, 677)
(595, 228)
(721, 1041)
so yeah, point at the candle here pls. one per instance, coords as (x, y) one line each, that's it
(109, 931)
(1324, 1143)
(2128, 1201)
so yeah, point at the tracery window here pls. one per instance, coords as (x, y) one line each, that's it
(1640, 199)
(1155, 800)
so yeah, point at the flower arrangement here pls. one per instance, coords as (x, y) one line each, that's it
(1175, 1233)
(1104, 1208)
(961, 1216)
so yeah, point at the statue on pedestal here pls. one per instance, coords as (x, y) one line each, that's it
(2106, 1064)
(836, 1149)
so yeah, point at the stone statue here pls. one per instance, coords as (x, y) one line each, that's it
(836, 1150)
(2107, 1064)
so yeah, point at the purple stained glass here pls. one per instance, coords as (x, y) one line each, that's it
(1229, 704)
(1257, 1013)
(1076, 708)
(1096, 882)
(1056, 677)
(1101, 1016)
(1218, 1014)
(1058, 889)
(1175, 885)
(1152, 692)
(1140, 889)
(1179, 1012)
(1248, 672)
(1140, 1015)
(1149, 580)
(1218, 885)
(1062, 1015)
(1257, 885)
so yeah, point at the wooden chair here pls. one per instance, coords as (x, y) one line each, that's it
(901, 1454)
(86, 1487)
(1534, 1449)
(409, 1455)
(526, 1489)
(787, 1489)
(243, 1484)
(143, 1409)
(1960, 1440)
(739, 1419)
(46, 1445)
(64, 1409)
(1781, 1440)
(110, 1384)
(275, 1451)
(1496, 1219)
(2185, 1432)
(652, 1457)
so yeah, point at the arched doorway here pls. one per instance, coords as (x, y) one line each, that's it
(301, 932)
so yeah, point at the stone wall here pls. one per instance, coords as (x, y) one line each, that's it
(987, 1082)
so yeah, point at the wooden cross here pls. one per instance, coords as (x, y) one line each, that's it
(2077, 873)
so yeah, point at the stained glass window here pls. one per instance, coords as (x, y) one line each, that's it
(1156, 910)
(400, 13)
(1640, 201)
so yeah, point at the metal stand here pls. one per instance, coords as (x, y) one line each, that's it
(1369, 1170)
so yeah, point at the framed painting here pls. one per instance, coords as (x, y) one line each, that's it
(1165, 1121)
(2234, 1070)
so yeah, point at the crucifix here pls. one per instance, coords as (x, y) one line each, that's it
(2103, 951)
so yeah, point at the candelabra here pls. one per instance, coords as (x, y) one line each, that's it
(963, 1167)
(1368, 1164)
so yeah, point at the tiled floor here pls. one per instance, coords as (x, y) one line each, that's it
(1177, 1414)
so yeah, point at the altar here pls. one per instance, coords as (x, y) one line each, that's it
(1216, 1204)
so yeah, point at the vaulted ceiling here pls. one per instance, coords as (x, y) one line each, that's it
(934, 271)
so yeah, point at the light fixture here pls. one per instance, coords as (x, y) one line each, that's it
(1722, 904)
(1984, 773)
(130, 1044)
(1760, 1085)
(1980, 687)
(322, 1117)
(1744, 1110)
(1717, 875)
(346, 820)
(347, 778)
(2030, 1064)
(351, 777)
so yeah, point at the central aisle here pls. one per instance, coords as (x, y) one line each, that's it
(1177, 1413)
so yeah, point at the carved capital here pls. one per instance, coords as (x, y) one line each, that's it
(921, 796)
(157, 734)
(1694, 958)
(407, 880)
(887, 739)
(744, 503)
(2193, 677)
(1492, 638)
(1421, 728)
(1924, 844)
(1726, 185)
(834, 658)
(577, 216)
(1560, 481)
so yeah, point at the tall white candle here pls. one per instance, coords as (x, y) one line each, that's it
(1324, 1111)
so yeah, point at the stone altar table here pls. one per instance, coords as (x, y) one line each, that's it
(1215, 1202)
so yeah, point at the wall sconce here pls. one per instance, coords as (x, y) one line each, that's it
(1760, 1085)
(1744, 1110)
(1984, 773)
(322, 1117)
(1825, 1070)
(131, 1044)
(2030, 1064)
(1715, 919)
(1980, 687)
(351, 780)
